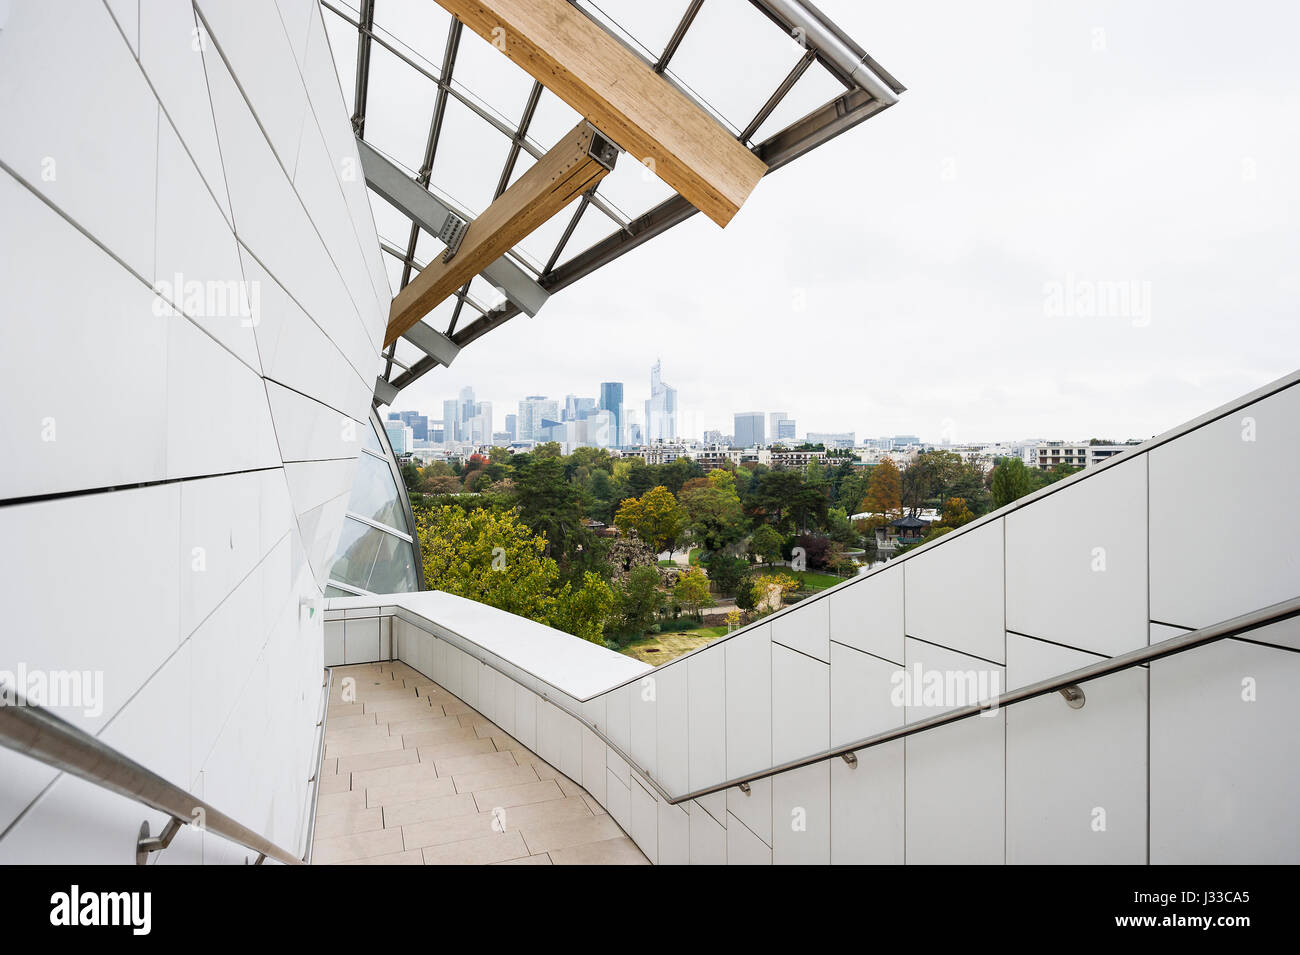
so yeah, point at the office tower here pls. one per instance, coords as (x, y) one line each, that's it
(450, 421)
(785, 430)
(512, 427)
(660, 409)
(533, 410)
(611, 400)
(774, 419)
(749, 429)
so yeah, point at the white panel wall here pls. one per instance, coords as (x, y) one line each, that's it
(190, 589)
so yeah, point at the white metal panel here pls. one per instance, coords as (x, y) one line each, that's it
(868, 613)
(1225, 755)
(749, 701)
(949, 822)
(1076, 779)
(801, 816)
(1236, 462)
(801, 703)
(104, 424)
(672, 740)
(67, 137)
(867, 817)
(806, 628)
(706, 675)
(954, 593)
(1079, 557)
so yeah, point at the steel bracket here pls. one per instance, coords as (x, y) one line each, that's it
(146, 844)
(452, 234)
(1074, 696)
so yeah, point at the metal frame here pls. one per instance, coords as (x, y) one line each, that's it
(869, 89)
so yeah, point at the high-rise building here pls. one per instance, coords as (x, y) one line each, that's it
(660, 409)
(749, 429)
(450, 421)
(512, 426)
(832, 439)
(418, 423)
(611, 400)
(533, 411)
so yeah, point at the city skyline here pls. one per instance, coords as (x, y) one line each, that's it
(566, 406)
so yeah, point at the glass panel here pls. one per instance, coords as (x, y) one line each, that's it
(332, 591)
(372, 439)
(374, 494)
(394, 571)
(358, 545)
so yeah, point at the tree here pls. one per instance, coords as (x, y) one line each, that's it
(488, 556)
(638, 600)
(884, 490)
(655, 517)
(584, 612)
(956, 513)
(765, 543)
(747, 594)
(714, 512)
(549, 504)
(771, 589)
(1011, 481)
(926, 478)
(692, 591)
(726, 572)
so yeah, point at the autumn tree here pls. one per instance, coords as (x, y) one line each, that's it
(584, 611)
(884, 490)
(655, 517)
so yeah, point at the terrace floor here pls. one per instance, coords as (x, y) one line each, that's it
(414, 776)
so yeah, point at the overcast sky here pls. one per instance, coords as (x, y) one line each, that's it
(928, 271)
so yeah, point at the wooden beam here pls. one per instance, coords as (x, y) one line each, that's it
(577, 60)
(575, 164)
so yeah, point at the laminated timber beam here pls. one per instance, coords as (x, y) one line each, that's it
(575, 164)
(604, 81)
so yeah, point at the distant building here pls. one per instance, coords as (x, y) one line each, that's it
(611, 400)
(400, 437)
(749, 429)
(660, 410)
(794, 460)
(832, 439)
(1051, 454)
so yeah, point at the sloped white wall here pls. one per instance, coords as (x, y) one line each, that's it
(148, 527)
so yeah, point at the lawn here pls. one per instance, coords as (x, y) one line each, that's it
(808, 579)
(659, 648)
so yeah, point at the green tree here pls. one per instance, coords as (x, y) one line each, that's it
(655, 517)
(586, 610)
(550, 505)
(713, 510)
(725, 571)
(1011, 481)
(765, 543)
(488, 556)
(638, 600)
(692, 591)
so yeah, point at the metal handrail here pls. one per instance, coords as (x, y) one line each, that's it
(1063, 683)
(320, 764)
(36, 732)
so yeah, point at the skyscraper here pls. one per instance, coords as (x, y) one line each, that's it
(611, 400)
(749, 429)
(660, 409)
(451, 421)
(533, 410)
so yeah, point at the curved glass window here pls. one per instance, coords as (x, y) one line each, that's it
(377, 552)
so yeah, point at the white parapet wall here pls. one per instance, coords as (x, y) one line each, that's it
(1191, 759)
(193, 303)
